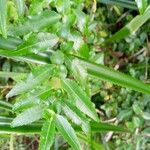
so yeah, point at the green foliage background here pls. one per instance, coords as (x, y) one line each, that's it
(61, 83)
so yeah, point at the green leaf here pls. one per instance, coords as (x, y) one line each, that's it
(5, 105)
(116, 77)
(131, 27)
(30, 58)
(10, 43)
(67, 132)
(137, 109)
(25, 104)
(40, 42)
(57, 58)
(81, 19)
(47, 19)
(73, 113)
(104, 127)
(36, 43)
(84, 51)
(142, 5)
(20, 5)
(36, 6)
(62, 6)
(3, 17)
(124, 114)
(76, 116)
(28, 116)
(32, 81)
(13, 75)
(35, 128)
(31, 100)
(137, 122)
(47, 135)
(146, 115)
(5, 127)
(81, 99)
(95, 145)
(80, 74)
(123, 3)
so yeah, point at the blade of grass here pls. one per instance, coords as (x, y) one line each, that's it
(132, 27)
(30, 129)
(35, 128)
(3, 17)
(113, 76)
(104, 127)
(5, 105)
(122, 3)
(141, 4)
(33, 58)
(117, 77)
(20, 7)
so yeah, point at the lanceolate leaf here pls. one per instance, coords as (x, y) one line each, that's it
(142, 4)
(36, 43)
(80, 74)
(132, 27)
(115, 77)
(47, 135)
(20, 7)
(74, 113)
(28, 116)
(32, 58)
(46, 18)
(3, 17)
(5, 105)
(67, 132)
(5, 123)
(82, 101)
(43, 73)
(31, 100)
(10, 43)
(26, 103)
(123, 3)
(76, 116)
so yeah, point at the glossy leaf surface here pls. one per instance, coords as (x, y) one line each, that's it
(67, 132)
(82, 101)
(47, 135)
(32, 81)
(116, 77)
(28, 116)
